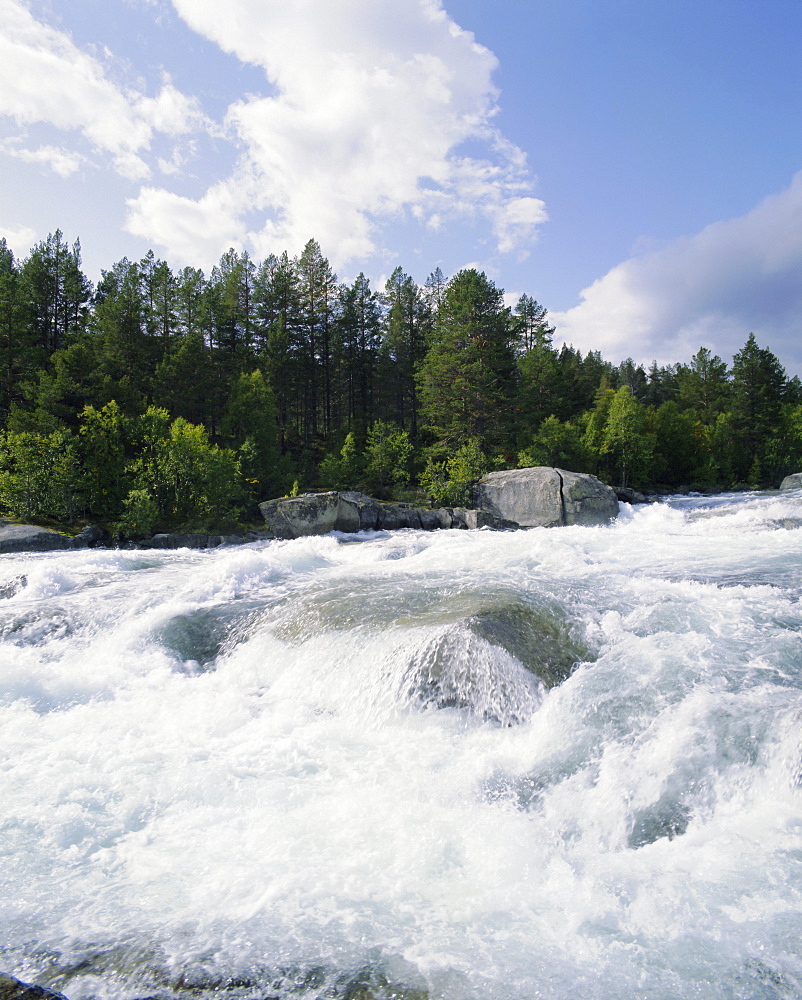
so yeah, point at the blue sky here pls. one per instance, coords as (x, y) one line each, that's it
(636, 165)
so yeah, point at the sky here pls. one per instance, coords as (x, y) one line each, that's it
(634, 165)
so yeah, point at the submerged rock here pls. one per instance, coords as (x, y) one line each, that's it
(539, 638)
(496, 662)
(14, 989)
(544, 497)
(193, 540)
(490, 654)
(792, 482)
(13, 586)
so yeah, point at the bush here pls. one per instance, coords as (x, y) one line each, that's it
(449, 482)
(140, 514)
(39, 475)
(387, 456)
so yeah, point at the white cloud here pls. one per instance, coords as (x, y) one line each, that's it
(44, 77)
(193, 230)
(516, 222)
(61, 161)
(19, 238)
(736, 276)
(373, 100)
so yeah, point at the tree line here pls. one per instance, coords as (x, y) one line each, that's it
(167, 397)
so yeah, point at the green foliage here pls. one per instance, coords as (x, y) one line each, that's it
(198, 482)
(249, 423)
(540, 384)
(140, 515)
(39, 475)
(448, 483)
(183, 382)
(194, 483)
(387, 455)
(597, 420)
(469, 372)
(342, 471)
(758, 394)
(676, 446)
(557, 444)
(783, 453)
(626, 439)
(702, 385)
(262, 374)
(103, 436)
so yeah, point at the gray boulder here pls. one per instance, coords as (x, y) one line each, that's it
(349, 511)
(546, 497)
(792, 482)
(30, 538)
(311, 514)
(628, 495)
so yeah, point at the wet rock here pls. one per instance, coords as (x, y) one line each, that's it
(546, 497)
(193, 540)
(349, 511)
(393, 516)
(665, 819)
(13, 586)
(627, 495)
(455, 668)
(89, 537)
(792, 482)
(539, 638)
(496, 662)
(432, 520)
(14, 989)
(311, 514)
(31, 538)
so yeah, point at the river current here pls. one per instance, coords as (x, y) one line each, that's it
(556, 763)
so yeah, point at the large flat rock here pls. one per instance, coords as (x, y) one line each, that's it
(311, 514)
(545, 497)
(30, 538)
(792, 482)
(349, 511)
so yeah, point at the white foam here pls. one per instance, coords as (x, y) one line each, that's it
(296, 754)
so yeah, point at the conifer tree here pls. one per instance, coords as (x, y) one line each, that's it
(469, 372)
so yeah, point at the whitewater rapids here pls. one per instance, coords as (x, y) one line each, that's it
(316, 768)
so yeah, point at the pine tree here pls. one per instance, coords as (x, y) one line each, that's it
(469, 372)
(758, 392)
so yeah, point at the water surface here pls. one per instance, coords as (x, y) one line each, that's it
(553, 763)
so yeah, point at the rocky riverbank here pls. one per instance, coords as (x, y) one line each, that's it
(518, 498)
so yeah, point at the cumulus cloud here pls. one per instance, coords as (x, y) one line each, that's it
(61, 161)
(19, 238)
(45, 77)
(516, 222)
(371, 102)
(192, 229)
(734, 277)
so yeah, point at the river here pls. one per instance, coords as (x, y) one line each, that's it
(557, 763)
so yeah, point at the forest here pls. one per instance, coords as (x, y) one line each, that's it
(161, 399)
